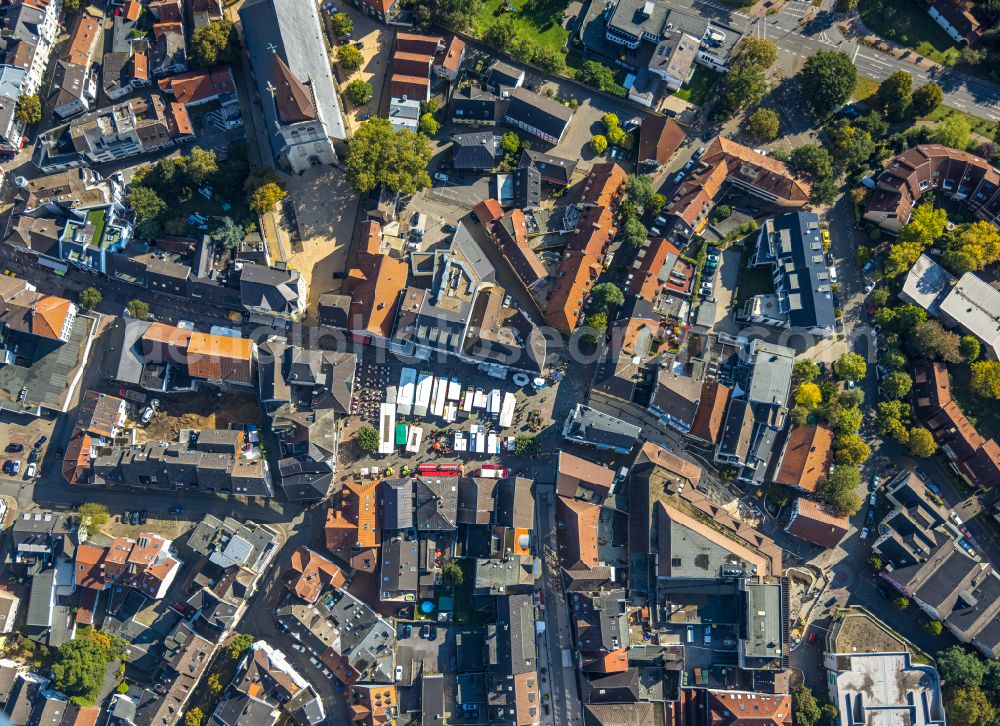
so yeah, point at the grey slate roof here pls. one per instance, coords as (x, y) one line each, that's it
(477, 150)
(264, 287)
(292, 29)
(538, 112)
(435, 503)
(396, 508)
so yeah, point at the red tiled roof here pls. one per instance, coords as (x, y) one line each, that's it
(199, 86)
(711, 412)
(309, 574)
(816, 524)
(579, 532)
(806, 457)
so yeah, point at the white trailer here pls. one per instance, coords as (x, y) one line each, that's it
(425, 388)
(440, 396)
(406, 391)
(387, 428)
(507, 410)
(413, 437)
(454, 390)
(479, 400)
(492, 445)
(493, 403)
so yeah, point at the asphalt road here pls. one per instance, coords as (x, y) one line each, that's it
(557, 639)
(798, 33)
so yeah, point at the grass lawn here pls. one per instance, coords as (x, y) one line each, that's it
(979, 126)
(864, 88)
(96, 217)
(698, 88)
(752, 281)
(907, 23)
(537, 21)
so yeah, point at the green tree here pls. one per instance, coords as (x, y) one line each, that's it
(953, 131)
(200, 164)
(214, 683)
(70, 6)
(263, 198)
(805, 707)
(850, 449)
(526, 446)
(121, 688)
(970, 706)
(605, 295)
(428, 125)
(358, 92)
(985, 378)
(805, 370)
(850, 367)
(843, 419)
(610, 121)
(193, 717)
(846, 6)
(368, 439)
(931, 340)
(350, 58)
(827, 80)
(341, 24)
(453, 573)
(454, 14)
(922, 442)
(895, 95)
(925, 226)
(813, 160)
(875, 563)
(239, 645)
(510, 142)
(756, 52)
(214, 43)
(599, 144)
(81, 666)
(892, 418)
(927, 98)
(933, 627)
(633, 232)
(28, 109)
(597, 75)
(90, 298)
(880, 296)
(94, 514)
(897, 384)
(742, 87)
(850, 145)
(968, 347)
(137, 309)
(960, 668)
(596, 324)
(548, 59)
(839, 490)
(378, 154)
(972, 247)
(901, 602)
(228, 234)
(808, 395)
(145, 202)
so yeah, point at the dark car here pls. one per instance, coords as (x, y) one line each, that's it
(33, 456)
(134, 519)
(41, 440)
(14, 448)
(425, 631)
(176, 510)
(126, 516)
(142, 516)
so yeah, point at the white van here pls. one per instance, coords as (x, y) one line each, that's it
(690, 633)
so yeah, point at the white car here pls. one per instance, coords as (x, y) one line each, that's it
(864, 534)
(299, 647)
(31, 470)
(147, 415)
(869, 287)
(851, 384)
(443, 178)
(314, 661)
(399, 673)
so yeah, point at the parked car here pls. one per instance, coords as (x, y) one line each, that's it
(147, 415)
(425, 631)
(298, 647)
(143, 516)
(870, 286)
(443, 178)
(697, 154)
(399, 673)
(176, 510)
(864, 534)
(14, 448)
(873, 484)
(41, 440)
(134, 519)
(679, 178)
(31, 470)
(450, 228)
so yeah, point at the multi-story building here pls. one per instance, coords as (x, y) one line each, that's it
(136, 127)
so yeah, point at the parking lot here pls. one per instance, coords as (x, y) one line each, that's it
(23, 433)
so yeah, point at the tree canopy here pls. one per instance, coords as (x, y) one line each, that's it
(985, 378)
(895, 95)
(367, 438)
(808, 395)
(763, 125)
(921, 442)
(805, 370)
(927, 98)
(214, 43)
(138, 309)
(953, 131)
(82, 664)
(378, 154)
(349, 57)
(454, 14)
(839, 490)
(605, 295)
(90, 298)
(960, 668)
(850, 367)
(28, 109)
(972, 247)
(827, 80)
(359, 92)
(929, 339)
(94, 514)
